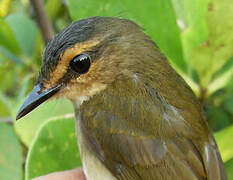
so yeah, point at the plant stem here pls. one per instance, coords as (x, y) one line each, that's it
(42, 20)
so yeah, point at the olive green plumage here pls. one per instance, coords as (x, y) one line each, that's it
(150, 127)
(134, 112)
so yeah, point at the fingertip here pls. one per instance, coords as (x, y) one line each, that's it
(74, 174)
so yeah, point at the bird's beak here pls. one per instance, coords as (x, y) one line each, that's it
(36, 97)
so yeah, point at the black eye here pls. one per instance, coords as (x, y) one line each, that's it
(80, 63)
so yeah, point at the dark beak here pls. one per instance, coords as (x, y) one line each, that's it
(35, 98)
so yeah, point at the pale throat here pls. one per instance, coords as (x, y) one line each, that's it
(95, 89)
(87, 94)
(79, 101)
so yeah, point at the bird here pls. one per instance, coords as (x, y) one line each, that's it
(136, 118)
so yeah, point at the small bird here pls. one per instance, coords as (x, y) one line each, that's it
(136, 118)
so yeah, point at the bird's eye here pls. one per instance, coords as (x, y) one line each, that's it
(80, 63)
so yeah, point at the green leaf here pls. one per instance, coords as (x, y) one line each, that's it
(79, 9)
(53, 7)
(229, 168)
(228, 66)
(28, 125)
(4, 111)
(225, 143)
(222, 77)
(24, 30)
(228, 103)
(209, 57)
(22, 90)
(8, 40)
(53, 149)
(191, 17)
(10, 55)
(6, 101)
(5, 106)
(10, 154)
(217, 118)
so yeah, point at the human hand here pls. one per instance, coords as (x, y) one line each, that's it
(74, 174)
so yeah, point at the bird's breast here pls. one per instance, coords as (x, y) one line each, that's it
(92, 166)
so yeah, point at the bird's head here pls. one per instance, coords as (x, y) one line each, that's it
(87, 57)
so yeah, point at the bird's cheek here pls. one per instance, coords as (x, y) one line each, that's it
(73, 91)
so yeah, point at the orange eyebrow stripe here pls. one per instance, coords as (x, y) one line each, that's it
(65, 59)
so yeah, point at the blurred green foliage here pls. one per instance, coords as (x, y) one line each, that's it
(59, 151)
(47, 111)
(10, 154)
(195, 35)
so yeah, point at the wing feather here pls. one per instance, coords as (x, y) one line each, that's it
(162, 146)
(135, 157)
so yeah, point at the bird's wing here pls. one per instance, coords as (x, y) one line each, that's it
(213, 161)
(138, 156)
(162, 146)
(134, 158)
